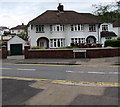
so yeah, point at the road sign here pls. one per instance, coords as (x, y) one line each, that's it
(79, 50)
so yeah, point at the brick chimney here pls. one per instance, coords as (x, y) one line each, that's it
(60, 8)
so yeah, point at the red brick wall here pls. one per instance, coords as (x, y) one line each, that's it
(3, 52)
(98, 53)
(57, 53)
(48, 53)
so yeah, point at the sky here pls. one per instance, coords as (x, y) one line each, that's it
(14, 12)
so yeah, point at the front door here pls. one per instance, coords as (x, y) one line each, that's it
(91, 40)
(43, 43)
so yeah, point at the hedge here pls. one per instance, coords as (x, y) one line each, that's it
(113, 43)
(37, 47)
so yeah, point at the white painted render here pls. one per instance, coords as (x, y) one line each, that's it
(17, 31)
(67, 34)
(16, 40)
(110, 26)
(117, 31)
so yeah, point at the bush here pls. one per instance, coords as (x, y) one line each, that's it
(37, 47)
(67, 47)
(113, 43)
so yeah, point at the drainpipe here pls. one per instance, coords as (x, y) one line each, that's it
(99, 38)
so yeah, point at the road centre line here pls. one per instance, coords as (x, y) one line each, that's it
(18, 69)
(67, 82)
(96, 72)
(83, 72)
(75, 71)
(5, 68)
(26, 69)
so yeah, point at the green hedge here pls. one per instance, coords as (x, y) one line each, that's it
(37, 47)
(113, 43)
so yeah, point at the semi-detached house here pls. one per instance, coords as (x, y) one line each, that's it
(59, 28)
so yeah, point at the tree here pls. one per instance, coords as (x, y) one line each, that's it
(108, 12)
(23, 34)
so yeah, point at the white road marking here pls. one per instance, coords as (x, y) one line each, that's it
(83, 72)
(75, 71)
(5, 68)
(69, 71)
(26, 69)
(113, 73)
(96, 72)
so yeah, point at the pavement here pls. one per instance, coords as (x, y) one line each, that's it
(29, 92)
(74, 61)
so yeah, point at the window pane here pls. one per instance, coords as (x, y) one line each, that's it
(72, 28)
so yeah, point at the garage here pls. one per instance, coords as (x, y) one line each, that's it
(16, 46)
(16, 49)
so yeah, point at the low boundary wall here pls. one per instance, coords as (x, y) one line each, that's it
(71, 53)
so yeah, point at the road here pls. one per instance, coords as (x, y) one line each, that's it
(91, 73)
(93, 82)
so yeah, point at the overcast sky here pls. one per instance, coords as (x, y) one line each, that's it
(14, 12)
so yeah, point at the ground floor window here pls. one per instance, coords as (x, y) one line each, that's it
(77, 40)
(108, 38)
(55, 43)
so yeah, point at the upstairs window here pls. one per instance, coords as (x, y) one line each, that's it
(57, 27)
(39, 28)
(31, 27)
(92, 28)
(104, 27)
(77, 27)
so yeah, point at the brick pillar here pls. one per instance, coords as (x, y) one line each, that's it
(26, 53)
(4, 52)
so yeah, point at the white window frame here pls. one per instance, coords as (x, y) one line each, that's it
(108, 38)
(77, 40)
(57, 28)
(39, 28)
(59, 42)
(104, 27)
(77, 27)
(92, 28)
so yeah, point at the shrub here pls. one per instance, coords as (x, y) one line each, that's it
(68, 47)
(37, 47)
(113, 43)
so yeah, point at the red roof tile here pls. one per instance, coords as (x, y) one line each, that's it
(116, 24)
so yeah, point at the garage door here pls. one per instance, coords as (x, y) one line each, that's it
(16, 49)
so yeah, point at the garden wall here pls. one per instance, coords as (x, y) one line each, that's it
(69, 53)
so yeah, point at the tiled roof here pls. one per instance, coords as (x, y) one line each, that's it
(65, 17)
(19, 27)
(116, 24)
